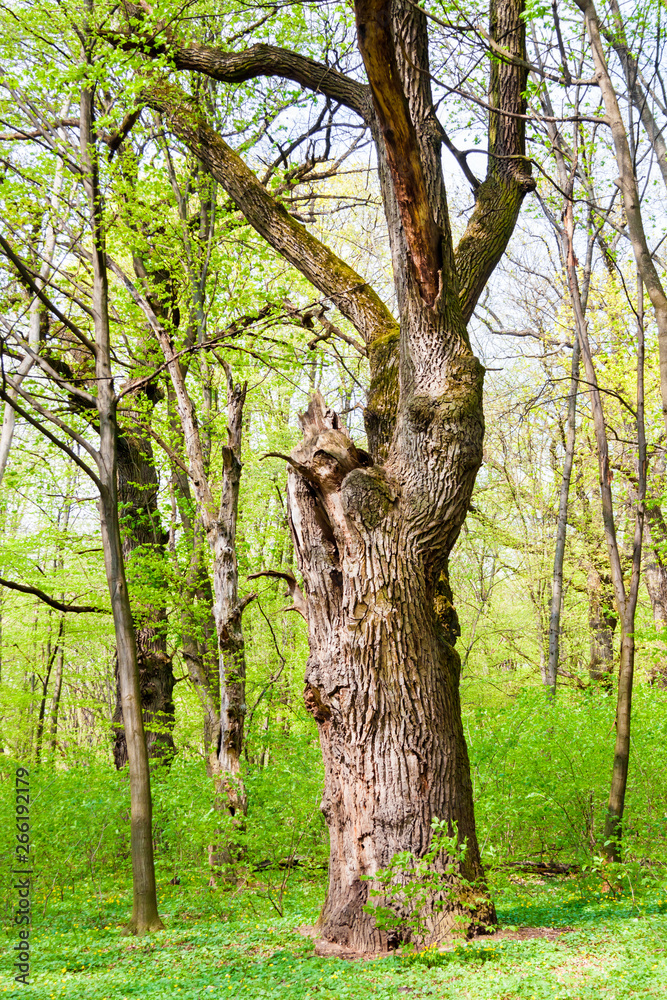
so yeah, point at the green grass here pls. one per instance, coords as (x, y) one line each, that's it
(229, 944)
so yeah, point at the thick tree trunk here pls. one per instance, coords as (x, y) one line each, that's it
(373, 539)
(382, 677)
(144, 552)
(602, 621)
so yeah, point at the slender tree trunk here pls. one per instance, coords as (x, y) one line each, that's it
(199, 643)
(55, 702)
(626, 599)
(227, 608)
(602, 612)
(53, 652)
(198, 632)
(655, 578)
(625, 596)
(627, 182)
(619, 779)
(144, 913)
(619, 776)
(561, 529)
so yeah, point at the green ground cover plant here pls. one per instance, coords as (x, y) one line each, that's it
(241, 938)
(226, 943)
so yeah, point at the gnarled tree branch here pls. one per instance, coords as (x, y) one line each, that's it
(249, 64)
(356, 300)
(293, 589)
(51, 601)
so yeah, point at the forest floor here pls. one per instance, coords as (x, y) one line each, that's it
(231, 944)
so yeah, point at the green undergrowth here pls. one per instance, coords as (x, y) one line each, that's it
(231, 943)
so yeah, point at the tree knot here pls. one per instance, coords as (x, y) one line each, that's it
(315, 705)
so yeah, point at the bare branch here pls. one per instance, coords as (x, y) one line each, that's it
(27, 278)
(51, 601)
(7, 398)
(299, 601)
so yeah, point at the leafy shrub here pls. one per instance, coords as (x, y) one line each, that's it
(541, 771)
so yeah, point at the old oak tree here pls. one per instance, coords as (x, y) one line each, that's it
(373, 529)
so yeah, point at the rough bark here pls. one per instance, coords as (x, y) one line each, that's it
(144, 552)
(382, 677)
(602, 622)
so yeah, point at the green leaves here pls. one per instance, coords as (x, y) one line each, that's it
(412, 890)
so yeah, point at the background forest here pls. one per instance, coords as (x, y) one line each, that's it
(216, 344)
